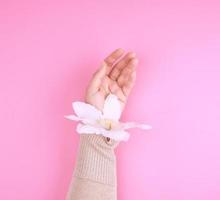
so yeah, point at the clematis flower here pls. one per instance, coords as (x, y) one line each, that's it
(106, 123)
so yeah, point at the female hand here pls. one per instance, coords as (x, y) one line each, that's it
(116, 75)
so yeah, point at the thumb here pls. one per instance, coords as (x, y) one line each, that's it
(98, 77)
(101, 72)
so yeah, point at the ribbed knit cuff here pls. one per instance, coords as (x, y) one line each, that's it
(96, 160)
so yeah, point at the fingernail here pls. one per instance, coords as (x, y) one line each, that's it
(132, 54)
(120, 50)
(135, 61)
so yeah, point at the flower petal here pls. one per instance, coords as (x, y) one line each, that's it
(112, 108)
(116, 135)
(72, 117)
(85, 121)
(129, 125)
(86, 111)
(81, 128)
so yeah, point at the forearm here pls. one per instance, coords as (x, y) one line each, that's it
(94, 176)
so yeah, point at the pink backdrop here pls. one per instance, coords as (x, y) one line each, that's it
(48, 50)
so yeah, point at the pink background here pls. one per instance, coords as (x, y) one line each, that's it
(48, 50)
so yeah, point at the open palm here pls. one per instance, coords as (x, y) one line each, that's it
(116, 75)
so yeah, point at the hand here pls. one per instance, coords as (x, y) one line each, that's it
(116, 75)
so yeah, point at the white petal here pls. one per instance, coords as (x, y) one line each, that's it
(86, 111)
(116, 135)
(129, 125)
(81, 128)
(144, 126)
(75, 118)
(72, 117)
(112, 108)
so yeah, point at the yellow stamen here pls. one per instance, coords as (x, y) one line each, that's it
(106, 123)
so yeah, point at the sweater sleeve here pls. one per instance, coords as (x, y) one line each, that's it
(94, 176)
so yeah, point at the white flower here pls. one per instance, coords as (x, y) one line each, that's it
(106, 122)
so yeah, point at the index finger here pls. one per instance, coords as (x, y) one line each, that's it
(112, 58)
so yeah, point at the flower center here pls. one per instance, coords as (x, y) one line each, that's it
(107, 123)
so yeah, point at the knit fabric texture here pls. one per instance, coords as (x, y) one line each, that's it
(94, 176)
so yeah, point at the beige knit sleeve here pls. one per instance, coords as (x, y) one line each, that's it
(94, 176)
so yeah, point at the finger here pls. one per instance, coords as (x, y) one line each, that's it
(116, 90)
(114, 74)
(104, 87)
(97, 79)
(112, 58)
(126, 72)
(127, 87)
